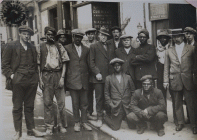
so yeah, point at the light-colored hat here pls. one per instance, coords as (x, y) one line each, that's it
(90, 30)
(145, 77)
(26, 28)
(163, 33)
(78, 32)
(104, 31)
(190, 29)
(126, 36)
(116, 60)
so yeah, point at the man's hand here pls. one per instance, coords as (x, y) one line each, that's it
(165, 85)
(41, 84)
(12, 76)
(99, 77)
(145, 114)
(61, 82)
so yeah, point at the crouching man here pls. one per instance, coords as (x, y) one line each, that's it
(118, 90)
(148, 104)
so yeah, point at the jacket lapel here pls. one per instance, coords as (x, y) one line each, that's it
(82, 51)
(74, 50)
(101, 48)
(123, 51)
(185, 50)
(18, 45)
(175, 53)
(115, 82)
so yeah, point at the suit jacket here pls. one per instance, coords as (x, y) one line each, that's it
(77, 69)
(11, 58)
(126, 67)
(154, 104)
(99, 61)
(112, 43)
(145, 62)
(195, 62)
(176, 73)
(117, 96)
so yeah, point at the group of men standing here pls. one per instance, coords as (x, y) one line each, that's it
(123, 78)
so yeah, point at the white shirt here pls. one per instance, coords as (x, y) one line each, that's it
(127, 50)
(116, 43)
(179, 50)
(24, 46)
(119, 78)
(78, 48)
(161, 53)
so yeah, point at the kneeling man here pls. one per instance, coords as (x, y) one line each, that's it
(148, 104)
(118, 90)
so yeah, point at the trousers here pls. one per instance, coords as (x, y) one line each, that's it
(90, 98)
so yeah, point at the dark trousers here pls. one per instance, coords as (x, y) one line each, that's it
(158, 119)
(79, 101)
(160, 70)
(90, 98)
(178, 105)
(24, 92)
(51, 89)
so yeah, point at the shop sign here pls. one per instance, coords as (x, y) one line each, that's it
(158, 11)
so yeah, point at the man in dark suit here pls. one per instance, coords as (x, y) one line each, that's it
(118, 90)
(101, 54)
(19, 63)
(143, 58)
(148, 104)
(125, 53)
(78, 79)
(52, 58)
(115, 41)
(178, 76)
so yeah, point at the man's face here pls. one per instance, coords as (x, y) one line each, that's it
(178, 39)
(189, 36)
(116, 34)
(163, 40)
(102, 37)
(62, 39)
(117, 67)
(126, 42)
(147, 85)
(143, 38)
(25, 36)
(91, 36)
(50, 36)
(77, 39)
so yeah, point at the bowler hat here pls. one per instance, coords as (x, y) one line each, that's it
(177, 32)
(116, 28)
(190, 29)
(26, 28)
(78, 32)
(145, 77)
(90, 30)
(163, 33)
(47, 28)
(144, 31)
(116, 60)
(104, 31)
(126, 36)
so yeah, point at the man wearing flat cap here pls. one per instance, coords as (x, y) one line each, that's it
(148, 104)
(118, 90)
(143, 58)
(52, 58)
(78, 79)
(91, 34)
(62, 37)
(178, 77)
(101, 54)
(163, 37)
(115, 41)
(125, 53)
(19, 63)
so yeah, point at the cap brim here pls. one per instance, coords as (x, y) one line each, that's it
(104, 33)
(163, 35)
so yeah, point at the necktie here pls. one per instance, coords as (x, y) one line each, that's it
(105, 46)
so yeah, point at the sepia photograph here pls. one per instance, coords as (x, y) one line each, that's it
(98, 70)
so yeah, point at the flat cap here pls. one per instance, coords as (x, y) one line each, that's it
(90, 30)
(47, 28)
(116, 60)
(126, 36)
(190, 29)
(144, 31)
(78, 32)
(116, 28)
(104, 31)
(163, 33)
(145, 77)
(26, 28)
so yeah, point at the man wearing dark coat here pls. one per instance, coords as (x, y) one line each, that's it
(101, 54)
(125, 53)
(78, 79)
(118, 90)
(148, 104)
(143, 58)
(19, 63)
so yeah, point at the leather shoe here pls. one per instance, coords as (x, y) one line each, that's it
(160, 132)
(86, 127)
(90, 117)
(179, 127)
(35, 133)
(17, 136)
(140, 130)
(77, 127)
(99, 123)
(195, 130)
(62, 129)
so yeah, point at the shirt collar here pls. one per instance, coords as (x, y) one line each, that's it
(77, 46)
(180, 46)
